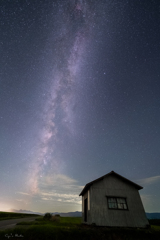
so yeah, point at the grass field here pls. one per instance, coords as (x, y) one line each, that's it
(11, 215)
(60, 222)
(70, 228)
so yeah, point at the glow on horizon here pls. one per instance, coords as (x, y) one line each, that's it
(5, 208)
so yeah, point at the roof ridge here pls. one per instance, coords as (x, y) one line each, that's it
(101, 178)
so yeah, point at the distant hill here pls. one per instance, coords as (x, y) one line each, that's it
(69, 214)
(25, 211)
(153, 215)
(77, 214)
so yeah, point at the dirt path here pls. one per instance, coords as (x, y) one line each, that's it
(12, 222)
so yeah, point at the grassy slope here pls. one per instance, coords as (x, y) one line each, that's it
(71, 228)
(12, 215)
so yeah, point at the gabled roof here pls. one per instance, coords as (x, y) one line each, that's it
(87, 186)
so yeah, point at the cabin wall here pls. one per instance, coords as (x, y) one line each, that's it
(101, 215)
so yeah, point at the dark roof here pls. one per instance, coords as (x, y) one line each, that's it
(87, 186)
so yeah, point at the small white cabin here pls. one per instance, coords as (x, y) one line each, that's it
(113, 201)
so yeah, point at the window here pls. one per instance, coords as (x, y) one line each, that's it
(117, 203)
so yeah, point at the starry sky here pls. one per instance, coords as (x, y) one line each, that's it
(79, 97)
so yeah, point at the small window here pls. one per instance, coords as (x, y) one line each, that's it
(117, 203)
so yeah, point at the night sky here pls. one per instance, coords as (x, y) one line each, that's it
(79, 97)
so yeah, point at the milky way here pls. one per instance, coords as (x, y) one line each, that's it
(75, 19)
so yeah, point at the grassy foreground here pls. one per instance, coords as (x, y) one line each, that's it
(70, 228)
(12, 215)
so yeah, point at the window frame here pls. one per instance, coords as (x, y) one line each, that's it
(116, 202)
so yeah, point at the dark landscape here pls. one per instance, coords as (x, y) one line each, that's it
(60, 228)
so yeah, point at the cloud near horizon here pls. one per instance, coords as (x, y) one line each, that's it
(149, 181)
(23, 193)
(57, 188)
(150, 196)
